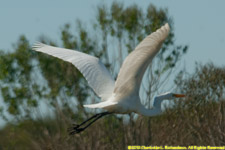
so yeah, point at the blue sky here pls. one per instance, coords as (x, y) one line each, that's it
(200, 24)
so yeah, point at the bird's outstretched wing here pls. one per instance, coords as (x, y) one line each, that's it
(134, 66)
(91, 67)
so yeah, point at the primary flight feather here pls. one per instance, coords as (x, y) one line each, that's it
(98, 77)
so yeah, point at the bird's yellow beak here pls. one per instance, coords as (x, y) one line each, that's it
(178, 95)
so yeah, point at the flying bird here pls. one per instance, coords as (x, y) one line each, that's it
(120, 96)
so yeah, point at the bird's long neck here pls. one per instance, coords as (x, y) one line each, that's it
(156, 110)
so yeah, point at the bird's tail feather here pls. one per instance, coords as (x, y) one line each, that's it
(104, 104)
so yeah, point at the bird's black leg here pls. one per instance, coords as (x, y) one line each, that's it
(94, 116)
(78, 128)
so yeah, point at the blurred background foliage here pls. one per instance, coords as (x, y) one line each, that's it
(42, 95)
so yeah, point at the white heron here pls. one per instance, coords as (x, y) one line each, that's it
(120, 96)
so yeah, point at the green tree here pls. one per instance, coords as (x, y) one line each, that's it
(207, 84)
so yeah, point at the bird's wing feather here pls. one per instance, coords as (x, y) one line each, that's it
(105, 104)
(91, 67)
(134, 66)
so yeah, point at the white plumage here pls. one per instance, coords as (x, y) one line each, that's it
(121, 96)
(93, 70)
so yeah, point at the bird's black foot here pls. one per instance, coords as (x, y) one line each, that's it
(75, 129)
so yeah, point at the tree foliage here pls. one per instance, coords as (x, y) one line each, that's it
(207, 84)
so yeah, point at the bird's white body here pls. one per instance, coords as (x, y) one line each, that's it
(122, 95)
(117, 104)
